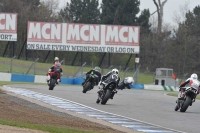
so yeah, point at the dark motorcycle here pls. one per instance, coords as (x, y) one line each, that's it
(53, 80)
(108, 89)
(126, 83)
(90, 82)
(188, 96)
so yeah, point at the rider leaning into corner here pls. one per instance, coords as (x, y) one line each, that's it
(193, 80)
(55, 68)
(96, 71)
(114, 71)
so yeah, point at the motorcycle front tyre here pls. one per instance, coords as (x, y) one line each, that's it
(186, 104)
(86, 87)
(106, 97)
(52, 84)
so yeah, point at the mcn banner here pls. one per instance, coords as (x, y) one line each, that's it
(83, 37)
(8, 27)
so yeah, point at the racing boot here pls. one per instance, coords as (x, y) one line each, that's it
(177, 105)
(113, 93)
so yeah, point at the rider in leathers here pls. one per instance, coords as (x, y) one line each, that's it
(104, 77)
(95, 71)
(193, 80)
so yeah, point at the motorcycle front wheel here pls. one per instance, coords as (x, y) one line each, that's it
(106, 97)
(52, 84)
(186, 104)
(86, 87)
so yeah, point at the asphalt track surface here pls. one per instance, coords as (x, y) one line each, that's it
(153, 107)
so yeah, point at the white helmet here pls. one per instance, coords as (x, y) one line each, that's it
(194, 76)
(56, 59)
(130, 80)
(115, 71)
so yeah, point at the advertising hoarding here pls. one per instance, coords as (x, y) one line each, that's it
(83, 37)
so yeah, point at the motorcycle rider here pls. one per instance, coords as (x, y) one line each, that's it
(55, 68)
(128, 81)
(190, 81)
(96, 71)
(104, 77)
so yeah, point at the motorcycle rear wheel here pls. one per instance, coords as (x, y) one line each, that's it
(186, 104)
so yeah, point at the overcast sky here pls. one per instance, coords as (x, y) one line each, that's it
(169, 9)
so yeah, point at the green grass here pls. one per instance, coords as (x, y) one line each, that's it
(22, 67)
(10, 83)
(50, 129)
(176, 94)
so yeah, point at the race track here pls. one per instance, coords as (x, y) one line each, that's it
(149, 106)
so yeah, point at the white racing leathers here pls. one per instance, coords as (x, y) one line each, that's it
(193, 83)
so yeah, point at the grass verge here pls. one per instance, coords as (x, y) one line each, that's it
(49, 129)
(176, 94)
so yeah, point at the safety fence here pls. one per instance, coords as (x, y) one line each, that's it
(71, 81)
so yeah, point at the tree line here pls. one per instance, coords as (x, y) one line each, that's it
(160, 46)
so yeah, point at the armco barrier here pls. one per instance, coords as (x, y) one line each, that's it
(73, 81)
(5, 77)
(78, 81)
(137, 86)
(67, 81)
(22, 78)
(160, 87)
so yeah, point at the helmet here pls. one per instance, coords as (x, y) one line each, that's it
(130, 80)
(97, 68)
(116, 71)
(56, 59)
(194, 76)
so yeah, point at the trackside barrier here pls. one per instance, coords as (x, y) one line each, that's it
(5, 77)
(73, 81)
(160, 87)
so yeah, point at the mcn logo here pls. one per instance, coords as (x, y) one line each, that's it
(8, 23)
(44, 32)
(122, 35)
(83, 34)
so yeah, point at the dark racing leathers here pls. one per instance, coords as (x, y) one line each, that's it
(104, 78)
(93, 72)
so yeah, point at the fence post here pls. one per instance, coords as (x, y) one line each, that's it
(11, 63)
(125, 72)
(32, 65)
(81, 67)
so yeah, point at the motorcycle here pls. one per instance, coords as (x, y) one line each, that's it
(188, 96)
(90, 82)
(53, 80)
(107, 89)
(126, 83)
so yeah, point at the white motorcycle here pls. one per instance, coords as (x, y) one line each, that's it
(126, 83)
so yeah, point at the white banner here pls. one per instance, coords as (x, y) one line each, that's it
(8, 27)
(83, 37)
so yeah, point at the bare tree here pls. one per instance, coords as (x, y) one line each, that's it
(160, 7)
(179, 16)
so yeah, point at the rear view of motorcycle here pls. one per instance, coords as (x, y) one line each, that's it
(188, 96)
(90, 82)
(107, 89)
